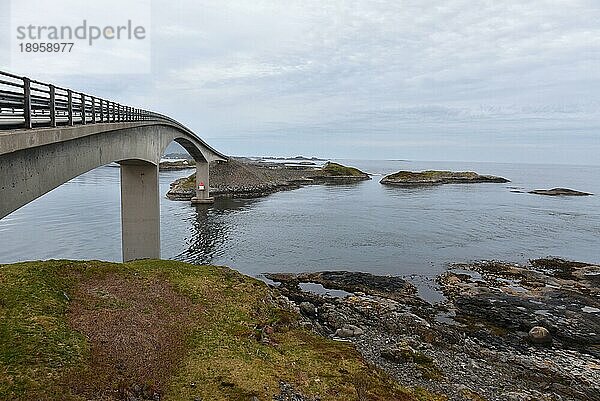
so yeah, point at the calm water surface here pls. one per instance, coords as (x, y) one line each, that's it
(364, 226)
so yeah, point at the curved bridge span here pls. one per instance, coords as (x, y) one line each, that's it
(49, 135)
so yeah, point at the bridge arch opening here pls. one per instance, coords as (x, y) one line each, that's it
(192, 149)
(202, 184)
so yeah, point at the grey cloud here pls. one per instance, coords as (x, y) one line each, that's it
(406, 79)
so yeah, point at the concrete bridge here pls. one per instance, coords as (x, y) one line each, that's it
(49, 135)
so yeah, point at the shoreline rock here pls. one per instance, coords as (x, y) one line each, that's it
(551, 293)
(434, 177)
(518, 332)
(559, 192)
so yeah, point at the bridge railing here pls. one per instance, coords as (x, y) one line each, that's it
(27, 103)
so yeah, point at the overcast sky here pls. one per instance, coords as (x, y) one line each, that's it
(515, 81)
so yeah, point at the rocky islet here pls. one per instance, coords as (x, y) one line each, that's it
(245, 178)
(435, 177)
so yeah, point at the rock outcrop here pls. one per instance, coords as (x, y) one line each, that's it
(548, 300)
(504, 331)
(434, 177)
(559, 192)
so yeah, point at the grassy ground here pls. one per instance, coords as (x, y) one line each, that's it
(106, 331)
(188, 182)
(336, 169)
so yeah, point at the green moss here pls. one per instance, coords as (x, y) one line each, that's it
(471, 395)
(186, 182)
(335, 169)
(405, 353)
(228, 355)
(36, 343)
(427, 366)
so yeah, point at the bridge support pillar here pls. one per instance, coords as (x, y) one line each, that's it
(140, 210)
(202, 184)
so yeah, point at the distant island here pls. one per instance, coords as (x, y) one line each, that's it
(166, 165)
(434, 177)
(293, 158)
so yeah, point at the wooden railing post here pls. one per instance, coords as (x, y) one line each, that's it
(52, 105)
(101, 110)
(93, 110)
(27, 102)
(70, 106)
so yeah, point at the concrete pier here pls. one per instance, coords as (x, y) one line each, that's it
(140, 210)
(202, 185)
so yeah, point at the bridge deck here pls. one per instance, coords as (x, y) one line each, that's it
(29, 104)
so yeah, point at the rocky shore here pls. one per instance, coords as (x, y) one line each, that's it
(245, 178)
(504, 332)
(434, 177)
(76, 330)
